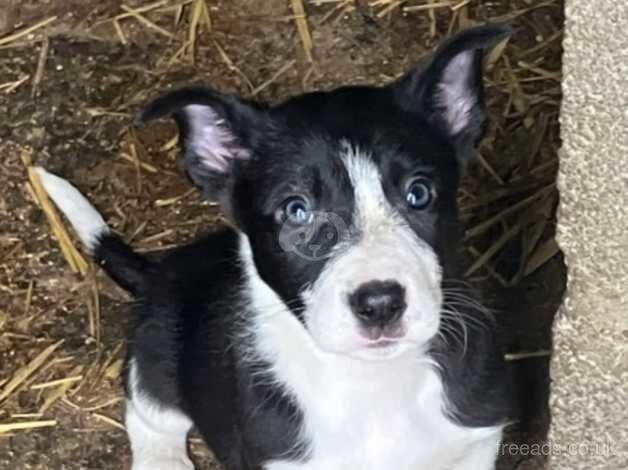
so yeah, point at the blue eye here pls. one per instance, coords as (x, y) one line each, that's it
(297, 211)
(420, 193)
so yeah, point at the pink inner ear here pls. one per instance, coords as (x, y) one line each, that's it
(456, 98)
(210, 138)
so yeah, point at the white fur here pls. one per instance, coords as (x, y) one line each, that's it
(361, 414)
(158, 435)
(87, 222)
(209, 138)
(384, 248)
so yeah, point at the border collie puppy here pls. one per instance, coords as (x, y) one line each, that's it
(329, 329)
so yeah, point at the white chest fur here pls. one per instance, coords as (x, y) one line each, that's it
(367, 415)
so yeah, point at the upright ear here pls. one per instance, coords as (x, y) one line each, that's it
(215, 130)
(449, 90)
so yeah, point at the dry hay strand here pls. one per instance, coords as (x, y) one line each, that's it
(546, 74)
(178, 54)
(29, 298)
(199, 16)
(518, 356)
(25, 425)
(496, 53)
(98, 406)
(173, 200)
(341, 8)
(41, 65)
(96, 112)
(25, 415)
(457, 8)
(110, 368)
(138, 10)
(491, 171)
(429, 6)
(494, 249)
(155, 238)
(110, 421)
(137, 164)
(234, 68)
(389, 8)
(10, 87)
(509, 17)
(56, 382)
(93, 307)
(486, 224)
(542, 45)
(517, 97)
(161, 6)
(545, 252)
(490, 269)
(143, 165)
(26, 31)
(60, 390)
(26, 371)
(139, 13)
(146, 22)
(119, 32)
(71, 254)
(303, 29)
(287, 66)
(534, 254)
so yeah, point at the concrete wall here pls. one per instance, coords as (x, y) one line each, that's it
(590, 366)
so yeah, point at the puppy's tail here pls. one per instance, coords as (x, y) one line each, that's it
(126, 267)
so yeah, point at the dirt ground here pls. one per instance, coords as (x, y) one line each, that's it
(72, 107)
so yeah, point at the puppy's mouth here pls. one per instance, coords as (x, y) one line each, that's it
(382, 336)
(381, 343)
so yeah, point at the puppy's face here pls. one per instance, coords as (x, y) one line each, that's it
(348, 197)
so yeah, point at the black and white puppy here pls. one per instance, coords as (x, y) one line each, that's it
(330, 329)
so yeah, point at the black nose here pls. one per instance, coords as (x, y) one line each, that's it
(378, 303)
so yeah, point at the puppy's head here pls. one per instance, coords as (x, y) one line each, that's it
(347, 197)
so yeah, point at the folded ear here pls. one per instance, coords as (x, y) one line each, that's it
(449, 89)
(215, 131)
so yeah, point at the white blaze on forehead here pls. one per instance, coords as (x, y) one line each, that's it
(372, 209)
(384, 233)
(385, 248)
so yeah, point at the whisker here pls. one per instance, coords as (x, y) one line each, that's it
(462, 299)
(469, 310)
(459, 282)
(463, 328)
(469, 321)
(454, 334)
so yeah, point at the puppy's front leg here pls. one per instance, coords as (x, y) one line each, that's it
(158, 435)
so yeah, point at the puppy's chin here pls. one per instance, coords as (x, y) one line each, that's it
(376, 351)
(384, 352)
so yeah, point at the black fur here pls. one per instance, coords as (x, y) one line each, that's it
(124, 266)
(184, 350)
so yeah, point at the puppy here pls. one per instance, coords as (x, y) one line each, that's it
(330, 329)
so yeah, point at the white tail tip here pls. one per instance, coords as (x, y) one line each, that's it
(87, 222)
